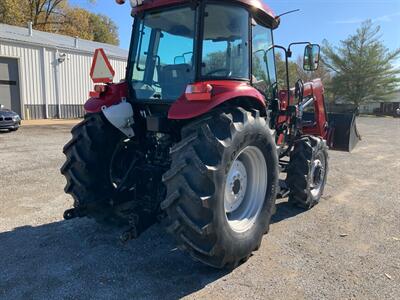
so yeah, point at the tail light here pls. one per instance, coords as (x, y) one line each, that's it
(98, 90)
(198, 92)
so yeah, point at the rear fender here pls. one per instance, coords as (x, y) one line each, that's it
(222, 91)
(114, 94)
(112, 103)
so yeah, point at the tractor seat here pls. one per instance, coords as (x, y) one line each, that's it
(173, 79)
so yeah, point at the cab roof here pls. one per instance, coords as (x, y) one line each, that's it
(261, 11)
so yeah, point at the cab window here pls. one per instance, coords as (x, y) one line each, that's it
(225, 42)
(263, 58)
(164, 59)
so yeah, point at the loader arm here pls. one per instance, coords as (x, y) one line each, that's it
(339, 129)
(319, 123)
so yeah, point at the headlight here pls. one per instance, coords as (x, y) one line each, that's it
(16, 118)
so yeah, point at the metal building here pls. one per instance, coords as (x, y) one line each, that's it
(46, 75)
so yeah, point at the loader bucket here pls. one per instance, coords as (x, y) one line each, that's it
(343, 135)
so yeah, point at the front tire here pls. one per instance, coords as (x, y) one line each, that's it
(216, 215)
(307, 171)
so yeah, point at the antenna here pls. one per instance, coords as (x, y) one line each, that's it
(286, 13)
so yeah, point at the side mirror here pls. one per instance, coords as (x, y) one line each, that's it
(311, 57)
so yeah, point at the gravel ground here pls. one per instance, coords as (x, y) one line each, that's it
(348, 247)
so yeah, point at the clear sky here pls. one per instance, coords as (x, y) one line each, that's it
(333, 20)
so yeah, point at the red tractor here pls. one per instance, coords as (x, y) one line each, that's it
(198, 136)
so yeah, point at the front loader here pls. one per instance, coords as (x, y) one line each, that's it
(198, 136)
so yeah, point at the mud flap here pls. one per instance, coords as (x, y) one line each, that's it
(343, 133)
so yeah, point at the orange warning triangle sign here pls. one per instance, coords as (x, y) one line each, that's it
(101, 70)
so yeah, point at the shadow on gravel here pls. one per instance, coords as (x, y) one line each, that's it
(80, 260)
(285, 210)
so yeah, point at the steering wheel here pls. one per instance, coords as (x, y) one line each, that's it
(156, 84)
(148, 87)
(299, 90)
(227, 72)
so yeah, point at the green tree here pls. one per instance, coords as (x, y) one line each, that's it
(214, 61)
(363, 67)
(58, 16)
(76, 24)
(104, 29)
(281, 71)
(13, 13)
(322, 72)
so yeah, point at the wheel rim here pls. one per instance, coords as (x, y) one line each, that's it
(245, 189)
(318, 170)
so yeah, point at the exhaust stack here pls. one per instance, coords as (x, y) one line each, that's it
(30, 29)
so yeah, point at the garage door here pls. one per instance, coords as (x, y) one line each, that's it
(9, 84)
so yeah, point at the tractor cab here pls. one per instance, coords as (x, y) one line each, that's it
(174, 47)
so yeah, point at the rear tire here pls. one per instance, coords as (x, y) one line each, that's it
(87, 168)
(196, 202)
(307, 171)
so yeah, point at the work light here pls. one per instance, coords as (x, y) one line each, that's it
(135, 3)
